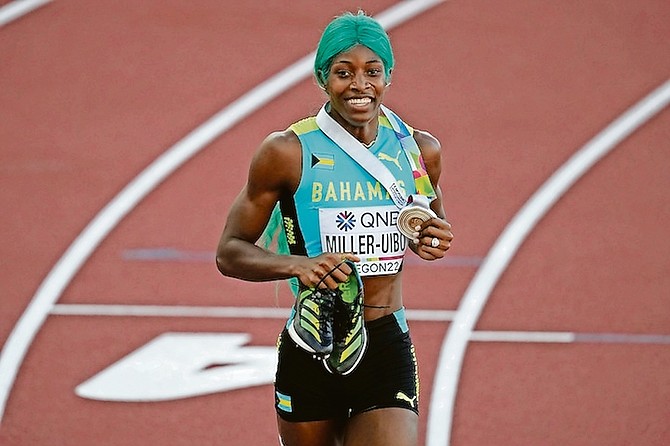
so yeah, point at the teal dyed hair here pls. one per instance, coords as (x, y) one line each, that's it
(345, 32)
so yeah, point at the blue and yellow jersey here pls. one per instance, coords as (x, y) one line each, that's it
(340, 207)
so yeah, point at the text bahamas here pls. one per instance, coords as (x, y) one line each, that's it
(349, 191)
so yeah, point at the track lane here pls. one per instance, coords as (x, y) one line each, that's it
(506, 247)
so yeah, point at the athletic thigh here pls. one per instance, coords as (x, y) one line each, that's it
(310, 433)
(383, 427)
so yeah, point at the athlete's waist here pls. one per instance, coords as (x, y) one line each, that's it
(390, 322)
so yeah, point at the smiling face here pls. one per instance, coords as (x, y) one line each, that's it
(356, 85)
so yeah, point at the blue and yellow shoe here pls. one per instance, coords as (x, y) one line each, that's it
(312, 324)
(350, 339)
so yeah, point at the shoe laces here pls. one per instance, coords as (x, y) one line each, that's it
(325, 300)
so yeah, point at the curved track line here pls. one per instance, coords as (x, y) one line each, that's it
(18, 8)
(460, 331)
(102, 224)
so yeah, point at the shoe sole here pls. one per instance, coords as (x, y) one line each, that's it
(302, 344)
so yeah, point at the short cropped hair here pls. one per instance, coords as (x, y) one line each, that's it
(345, 32)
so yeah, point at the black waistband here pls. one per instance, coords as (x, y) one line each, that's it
(393, 321)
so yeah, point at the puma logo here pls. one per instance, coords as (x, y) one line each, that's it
(385, 157)
(402, 397)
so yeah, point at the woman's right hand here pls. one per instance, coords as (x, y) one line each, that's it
(327, 270)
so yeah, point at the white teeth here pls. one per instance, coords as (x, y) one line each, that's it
(361, 101)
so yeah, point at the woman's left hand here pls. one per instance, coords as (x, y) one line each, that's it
(432, 239)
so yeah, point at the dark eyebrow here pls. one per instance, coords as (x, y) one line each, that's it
(348, 62)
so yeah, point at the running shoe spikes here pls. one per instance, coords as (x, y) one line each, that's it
(349, 336)
(312, 324)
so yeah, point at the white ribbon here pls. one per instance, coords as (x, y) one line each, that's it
(356, 150)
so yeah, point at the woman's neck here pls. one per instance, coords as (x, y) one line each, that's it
(365, 133)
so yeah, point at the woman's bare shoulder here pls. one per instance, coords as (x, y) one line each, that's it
(431, 150)
(282, 143)
(278, 161)
(428, 143)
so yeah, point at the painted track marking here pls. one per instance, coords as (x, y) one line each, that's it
(17, 9)
(203, 311)
(96, 231)
(167, 254)
(180, 311)
(440, 415)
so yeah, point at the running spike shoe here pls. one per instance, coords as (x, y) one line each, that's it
(350, 339)
(312, 324)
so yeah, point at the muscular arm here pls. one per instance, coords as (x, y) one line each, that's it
(274, 173)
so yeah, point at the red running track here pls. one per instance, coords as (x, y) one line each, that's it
(512, 89)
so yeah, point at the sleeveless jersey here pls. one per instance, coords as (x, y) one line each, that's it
(340, 207)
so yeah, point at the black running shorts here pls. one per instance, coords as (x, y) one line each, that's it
(386, 377)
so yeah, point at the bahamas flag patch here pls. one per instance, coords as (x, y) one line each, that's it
(323, 161)
(283, 402)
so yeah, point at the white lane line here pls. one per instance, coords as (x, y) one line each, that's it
(82, 247)
(182, 311)
(17, 9)
(549, 337)
(170, 311)
(215, 312)
(440, 414)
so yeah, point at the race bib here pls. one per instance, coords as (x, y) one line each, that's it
(371, 233)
